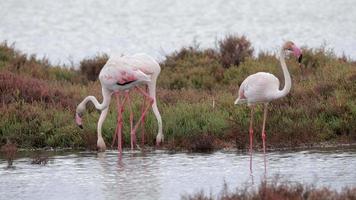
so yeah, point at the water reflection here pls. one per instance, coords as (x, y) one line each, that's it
(156, 175)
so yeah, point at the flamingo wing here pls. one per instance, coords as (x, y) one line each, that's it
(259, 87)
(120, 71)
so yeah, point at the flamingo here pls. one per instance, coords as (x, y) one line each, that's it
(121, 75)
(263, 87)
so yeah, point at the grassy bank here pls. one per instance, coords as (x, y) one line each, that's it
(38, 100)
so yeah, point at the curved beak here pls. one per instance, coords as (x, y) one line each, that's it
(297, 53)
(300, 59)
(78, 120)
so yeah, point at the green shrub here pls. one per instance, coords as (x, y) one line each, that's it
(91, 67)
(234, 50)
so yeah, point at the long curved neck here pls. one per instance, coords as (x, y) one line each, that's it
(287, 78)
(99, 106)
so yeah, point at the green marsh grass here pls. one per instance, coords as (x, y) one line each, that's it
(38, 100)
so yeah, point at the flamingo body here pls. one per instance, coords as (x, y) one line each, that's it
(122, 73)
(258, 88)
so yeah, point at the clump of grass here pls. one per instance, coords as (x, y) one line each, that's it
(39, 159)
(9, 151)
(277, 190)
(91, 67)
(90, 140)
(16, 87)
(35, 125)
(234, 50)
(23, 64)
(191, 68)
(202, 143)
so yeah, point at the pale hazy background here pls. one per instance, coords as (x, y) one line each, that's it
(69, 30)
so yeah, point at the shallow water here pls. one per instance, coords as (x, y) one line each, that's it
(69, 30)
(158, 175)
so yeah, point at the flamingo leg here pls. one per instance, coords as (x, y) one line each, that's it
(264, 134)
(251, 137)
(143, 122)
(117, 95)
(132, 131)
(118, 131)
(143, 114)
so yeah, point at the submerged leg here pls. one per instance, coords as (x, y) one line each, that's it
(251, 137)
(264, 134)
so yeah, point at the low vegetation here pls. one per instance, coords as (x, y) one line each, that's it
(275, 190)
(38, 100)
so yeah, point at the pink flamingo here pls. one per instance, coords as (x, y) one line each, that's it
(122, 74)
(263, 87)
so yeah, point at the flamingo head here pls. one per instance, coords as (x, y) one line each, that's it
(78, 115)
(78, 120)
(290, 46)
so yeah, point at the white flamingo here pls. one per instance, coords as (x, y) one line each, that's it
(121, 74)
(263, 87)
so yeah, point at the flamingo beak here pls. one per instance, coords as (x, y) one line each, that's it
(300, 59)
(78, 120)
(297, 53)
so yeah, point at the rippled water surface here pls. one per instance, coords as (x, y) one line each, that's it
(157, 175)
(69, 30)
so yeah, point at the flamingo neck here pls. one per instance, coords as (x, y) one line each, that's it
(99, 106)
(96, 103)
(152, 93)
(287, 78)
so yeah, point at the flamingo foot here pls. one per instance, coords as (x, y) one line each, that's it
(101, 144)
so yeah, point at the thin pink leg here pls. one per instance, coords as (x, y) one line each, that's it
(251, 137)
(146, 109)
(264, 135)
(120, 110)
(143, 122)
(117, 95)
(120, 123)
(132, 132)
(119, 136)
(118, 131)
